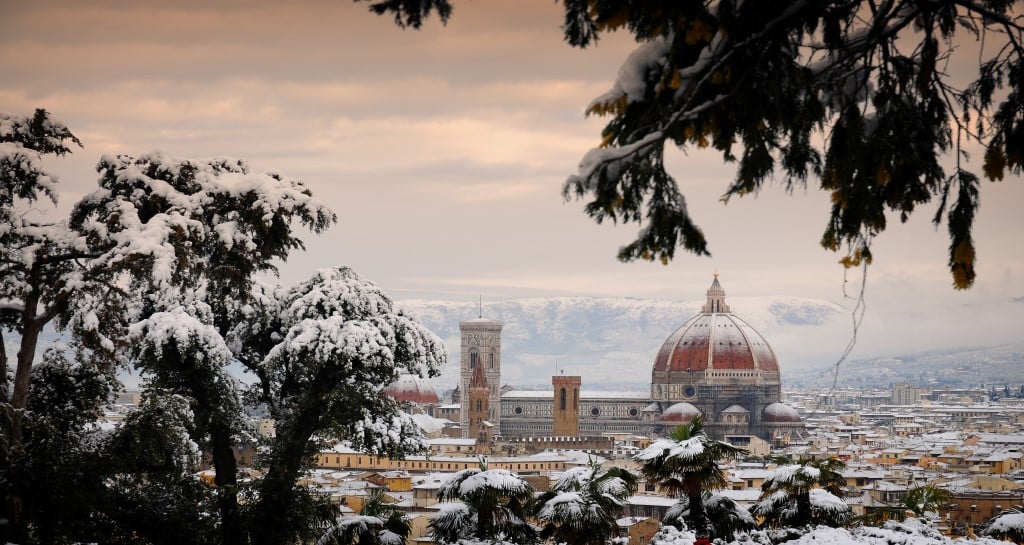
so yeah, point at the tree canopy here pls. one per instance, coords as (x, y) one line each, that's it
(865, 98)
(155, 271)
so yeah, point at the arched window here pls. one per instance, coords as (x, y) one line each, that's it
(474, 358)
(561, 399)
(491, 357)
(575, 399)
(479, 405)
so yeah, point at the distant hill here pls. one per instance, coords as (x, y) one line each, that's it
(611, 342)
(957, 368)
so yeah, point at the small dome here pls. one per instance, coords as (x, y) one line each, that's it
(680, 412)
(780, 413)
(412, 389)
(652, 408)
(735, 409)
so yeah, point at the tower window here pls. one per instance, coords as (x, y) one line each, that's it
(479, 405)
(561, 399)
(491, 357)
(474, 358)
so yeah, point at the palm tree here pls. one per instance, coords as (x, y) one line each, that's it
(378, 523)
(688, 465)
(725, 515)
(804, 493)
(582, 507)
(494, 507)
(918, 501)
(1008, 525)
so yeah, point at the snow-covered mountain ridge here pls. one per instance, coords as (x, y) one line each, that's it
(607, 340)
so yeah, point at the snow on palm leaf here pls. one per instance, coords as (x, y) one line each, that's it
(688, 465)
(378, 523)
(1009, 525)
(496, 505)
(582, 506)
(726, 516)
(803, 493)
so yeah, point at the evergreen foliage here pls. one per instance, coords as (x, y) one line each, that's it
(856, 96)
(155, 271)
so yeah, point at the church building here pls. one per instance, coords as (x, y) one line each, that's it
(715, 365)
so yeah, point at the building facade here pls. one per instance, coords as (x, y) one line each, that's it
(714, 365)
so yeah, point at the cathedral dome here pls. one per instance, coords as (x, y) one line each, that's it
(411, 389)
(680, 412)
(715, 339)
(779, 413)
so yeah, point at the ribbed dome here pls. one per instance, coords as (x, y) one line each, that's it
(412, 389)
(715, 339)
(780, 413)
(680, 412)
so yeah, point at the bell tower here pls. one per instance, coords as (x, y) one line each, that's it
(481, 349)
(478, 396)
(565, 409)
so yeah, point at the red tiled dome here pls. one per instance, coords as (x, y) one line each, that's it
(680, 412)
(715, 339)
(412, 389)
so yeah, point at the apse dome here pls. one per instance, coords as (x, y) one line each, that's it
(411, 389)
(681, 413)
(778, 413)
(715, 339)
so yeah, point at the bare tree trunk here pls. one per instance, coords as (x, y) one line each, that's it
(31, 326)
(4, 386)
(277, 491)
(699, 517)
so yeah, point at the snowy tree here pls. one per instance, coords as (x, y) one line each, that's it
(156, 270)
(1008, 525)
(188, 236)
(339, 342)
(858, 96)
(727, 518)
(583, 505)
(378, 523)
(922, 502)
(804, 493)
(688, 465)
(35, 255)
(492, 506)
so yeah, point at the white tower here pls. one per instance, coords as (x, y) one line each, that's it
(481, 346)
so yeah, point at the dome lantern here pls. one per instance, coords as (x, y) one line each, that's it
(716, 299)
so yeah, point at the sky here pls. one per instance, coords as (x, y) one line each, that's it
(443, 152)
